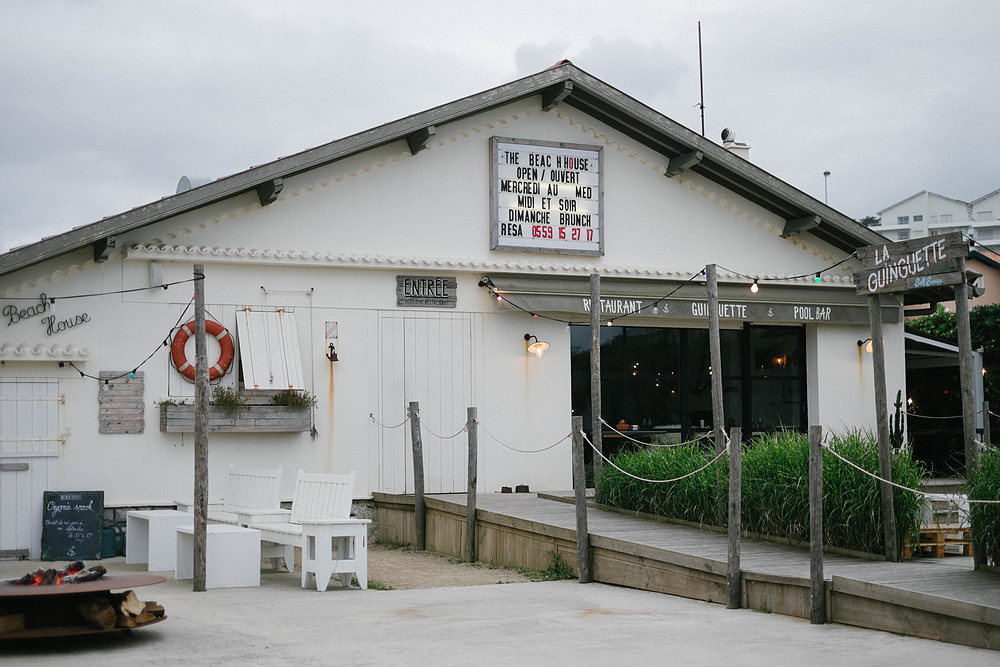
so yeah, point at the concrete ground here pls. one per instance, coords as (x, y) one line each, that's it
(535, 623)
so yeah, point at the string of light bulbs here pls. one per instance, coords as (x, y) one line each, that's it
(488, 284)
(52, 299)
(131, 373)
(754, 288)
(817, 275)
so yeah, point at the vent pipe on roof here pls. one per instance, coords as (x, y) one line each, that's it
(735, 147)
(186, 183)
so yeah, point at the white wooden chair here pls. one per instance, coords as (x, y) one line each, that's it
(319, 523)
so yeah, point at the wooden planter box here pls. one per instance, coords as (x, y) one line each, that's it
(258, 416)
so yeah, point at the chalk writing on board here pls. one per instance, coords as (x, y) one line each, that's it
(72, 525)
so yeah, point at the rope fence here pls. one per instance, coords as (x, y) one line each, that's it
(718, 456)
(906, 488)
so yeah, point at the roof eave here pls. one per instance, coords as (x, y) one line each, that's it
(587, 93)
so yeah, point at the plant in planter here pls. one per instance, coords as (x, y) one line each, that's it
(292, 398)
(230, 400)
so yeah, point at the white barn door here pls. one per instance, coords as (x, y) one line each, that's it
(29, 461)
(430, 358)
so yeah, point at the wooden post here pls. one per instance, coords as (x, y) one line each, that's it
(580, 489)
(733, 597)
(715, 354)
(966, 379)
(978, 557)
(882, 423)
(419, 508)
(470, 497)
(200, 432)
(987, 440)
(596, 429)
(817, 587)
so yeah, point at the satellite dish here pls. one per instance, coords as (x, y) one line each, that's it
(728, 135)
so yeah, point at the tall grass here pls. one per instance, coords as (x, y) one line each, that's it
(775, 489)
(851, 500)
(985, 518)
(698, 498)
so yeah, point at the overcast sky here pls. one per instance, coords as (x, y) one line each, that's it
(105, 105)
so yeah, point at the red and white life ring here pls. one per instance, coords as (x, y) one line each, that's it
(185, 367)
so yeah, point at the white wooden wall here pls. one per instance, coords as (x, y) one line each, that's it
(29, 460)
(426, 357)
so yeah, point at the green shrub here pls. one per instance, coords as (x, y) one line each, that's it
(985, 518)
(700, 498)
(775, 489)
(851, 500)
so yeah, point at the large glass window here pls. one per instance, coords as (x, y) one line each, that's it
(658, 382)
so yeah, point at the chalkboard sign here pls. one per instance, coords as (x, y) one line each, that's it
(71, 525)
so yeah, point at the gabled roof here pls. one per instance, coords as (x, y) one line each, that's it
(919, 194)
(564, 84)
(985, 197)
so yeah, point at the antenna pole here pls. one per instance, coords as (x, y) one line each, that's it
(701, 80)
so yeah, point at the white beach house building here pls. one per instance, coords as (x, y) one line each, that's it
(410, 262)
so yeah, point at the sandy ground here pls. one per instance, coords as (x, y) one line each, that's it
(404, 568)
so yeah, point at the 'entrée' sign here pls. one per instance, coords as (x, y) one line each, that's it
(546, 197)
(933, 261)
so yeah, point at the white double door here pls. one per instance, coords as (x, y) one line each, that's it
(431, 358)
(29, 461)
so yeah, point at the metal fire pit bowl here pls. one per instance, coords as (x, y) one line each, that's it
(50, 611)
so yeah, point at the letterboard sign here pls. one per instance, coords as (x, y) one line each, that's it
(546, 197)
(426, 291)
(72, 525)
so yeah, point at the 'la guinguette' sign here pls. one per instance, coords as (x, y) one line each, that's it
(906, 265)
(546, 197)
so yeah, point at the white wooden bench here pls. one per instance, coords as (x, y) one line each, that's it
(247, 489)
(319, 523)
(248, 492)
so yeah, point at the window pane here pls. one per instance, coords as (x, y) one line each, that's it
(776, 371)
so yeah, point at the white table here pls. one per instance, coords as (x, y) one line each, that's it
(150, 537)
(232, 555)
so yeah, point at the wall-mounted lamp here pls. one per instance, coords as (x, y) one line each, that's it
(867, 342)
(332, 354)
(535, 348)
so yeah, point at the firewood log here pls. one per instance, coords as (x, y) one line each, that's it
(97, 611)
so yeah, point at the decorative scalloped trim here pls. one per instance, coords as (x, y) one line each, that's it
(300, 258)
(33, 286)
(42, 352)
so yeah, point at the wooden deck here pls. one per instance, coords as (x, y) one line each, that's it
(938, 598)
